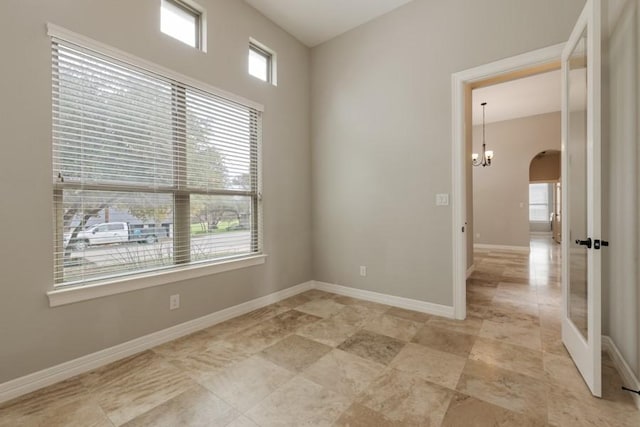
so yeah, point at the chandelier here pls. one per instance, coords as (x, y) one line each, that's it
(485, 160)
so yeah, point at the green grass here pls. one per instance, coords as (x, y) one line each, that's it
(223, 226)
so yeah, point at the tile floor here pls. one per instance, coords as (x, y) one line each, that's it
(320, 359)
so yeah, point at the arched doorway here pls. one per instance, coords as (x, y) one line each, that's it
(545, 201)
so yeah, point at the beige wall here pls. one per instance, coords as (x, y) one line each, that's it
(545, 168)
(34, 336)
(381, 135)
(501, 191)
(621, 186)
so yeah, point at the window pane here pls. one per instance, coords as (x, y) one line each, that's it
(258, 65)
(539, 202)
(111, 124)
(108, 233)
(538, 193)
(221, 226)
(220, 138)
(179, 23)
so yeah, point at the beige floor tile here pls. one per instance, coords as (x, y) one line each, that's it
(470, 325)
(394, 327)
(432, 365)
(466, 411)
(369, 305)
(246, 383)
(195, 407)
(508, 356)
(510, 305)
(552, 342)
(321, 307)
(295, 301)
(507, 389)
(242, 421)
(244, 321)
(480, 294)
(569, 407)
(299, 402)
(407, 399)
(343, 372)
(375, 347)
(81, 412)
(185, 346)
(42, 401)
(445, 340)
(561, 371)
(361, 416)
(332, 331)
(499, 315)
(260, 336)
(295, 353)
(550, 317)
(414, 316)
(356, 315)
(523, 336)
(133, 386)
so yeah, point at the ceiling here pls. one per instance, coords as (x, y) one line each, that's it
(315, 21)
(524, 97)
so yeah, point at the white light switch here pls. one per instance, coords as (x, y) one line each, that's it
(442, 199)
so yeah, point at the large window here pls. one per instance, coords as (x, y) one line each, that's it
(150, 173)
(539, 202)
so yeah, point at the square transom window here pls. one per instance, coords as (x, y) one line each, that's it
(181, 21)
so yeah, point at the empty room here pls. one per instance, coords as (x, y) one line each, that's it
(320, 212)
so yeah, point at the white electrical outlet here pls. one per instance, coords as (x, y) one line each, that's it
(363, 270)
(477, 235)
(174, 302)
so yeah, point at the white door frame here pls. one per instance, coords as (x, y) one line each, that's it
(459, 156)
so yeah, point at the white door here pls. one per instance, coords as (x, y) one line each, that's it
(582, 242)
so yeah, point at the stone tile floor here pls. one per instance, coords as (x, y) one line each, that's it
(321, 359)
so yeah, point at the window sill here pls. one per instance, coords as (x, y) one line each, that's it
(74, 294)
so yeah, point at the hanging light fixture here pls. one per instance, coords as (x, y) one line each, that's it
(485, 160)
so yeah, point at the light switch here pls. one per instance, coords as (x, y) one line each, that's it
(442, 199)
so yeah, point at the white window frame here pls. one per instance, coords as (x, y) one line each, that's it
(111, 286)
(200, 13)
(548, 204)
(270, 55)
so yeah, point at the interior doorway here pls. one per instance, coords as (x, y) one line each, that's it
(464, 83)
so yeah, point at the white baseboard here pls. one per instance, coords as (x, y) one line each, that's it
(470, 270)
(628, 377)
(501, 247)
(407, 303)
(37, 380)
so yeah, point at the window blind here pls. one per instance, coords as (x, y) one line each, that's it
(149, 172)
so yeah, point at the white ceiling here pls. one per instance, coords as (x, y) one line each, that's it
(524, 97)
(315, 21)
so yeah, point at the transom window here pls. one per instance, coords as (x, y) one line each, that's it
(182, 21)
(261, 63)
(149, 172)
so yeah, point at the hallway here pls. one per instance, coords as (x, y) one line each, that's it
(522, 363)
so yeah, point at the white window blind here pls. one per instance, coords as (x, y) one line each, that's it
(174, 165)
(539, 202)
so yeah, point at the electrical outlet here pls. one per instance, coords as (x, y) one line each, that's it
(363, 270)
(477, 235)
(174, 302)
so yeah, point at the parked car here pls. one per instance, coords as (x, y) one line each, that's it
(116, 232)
